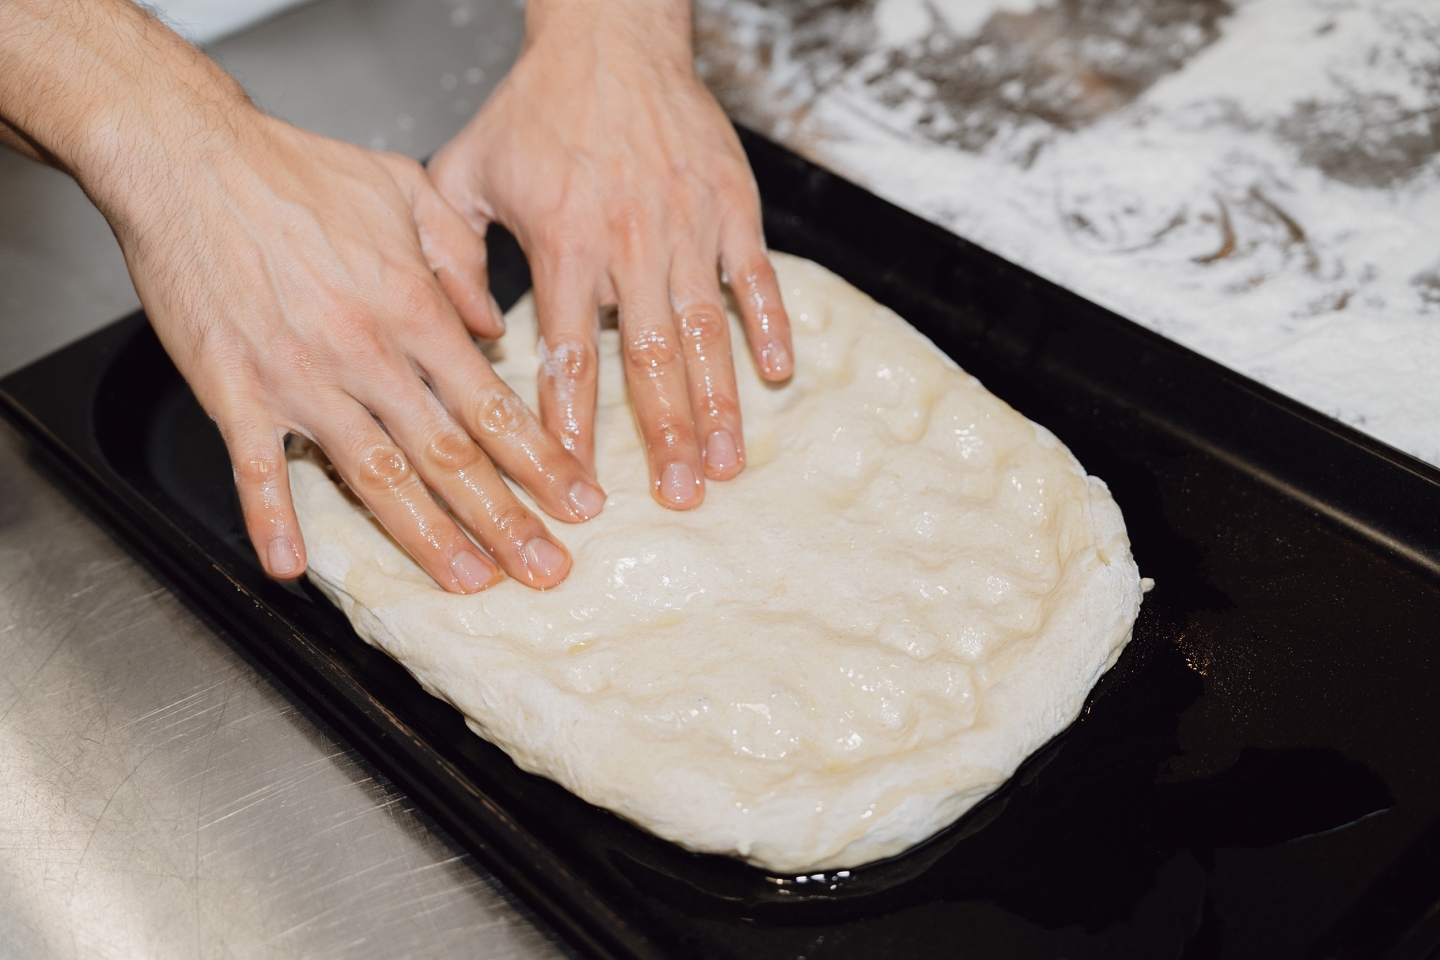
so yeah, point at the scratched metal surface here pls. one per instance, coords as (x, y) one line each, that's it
(159, 795)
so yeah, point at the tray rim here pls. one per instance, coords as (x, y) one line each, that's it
(327, 687)
(1312, 488)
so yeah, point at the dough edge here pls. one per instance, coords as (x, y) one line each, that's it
(915, 795)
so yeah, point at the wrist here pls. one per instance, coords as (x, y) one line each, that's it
(658, 30)
(187, 116)
(134, 155)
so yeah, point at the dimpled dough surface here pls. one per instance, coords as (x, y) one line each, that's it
(909, 589)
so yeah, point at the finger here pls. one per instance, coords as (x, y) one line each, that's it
(455, 172)
(257, 454)
(748, 271)
(655, 371)
(380, 474)
(710, 370)
(569, 363)
(453, 465)
(498, 420)
(457, 254)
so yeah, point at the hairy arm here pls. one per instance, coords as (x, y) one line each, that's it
(301, 285)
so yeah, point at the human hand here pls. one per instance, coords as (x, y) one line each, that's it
(625, 184)
(306, 287)
(301, 285)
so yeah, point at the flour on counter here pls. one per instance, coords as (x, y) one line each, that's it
(908, 590)
(1259, 181)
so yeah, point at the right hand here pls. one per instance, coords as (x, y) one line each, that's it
(303, 285)
(626, 185)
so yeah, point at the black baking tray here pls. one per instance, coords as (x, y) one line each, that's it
(1256, 777)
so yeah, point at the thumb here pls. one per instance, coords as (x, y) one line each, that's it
(457, 254)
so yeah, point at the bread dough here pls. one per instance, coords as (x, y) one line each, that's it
(908, 590)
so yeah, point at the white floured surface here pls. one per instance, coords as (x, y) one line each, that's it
(1270, 197)
(909, 590)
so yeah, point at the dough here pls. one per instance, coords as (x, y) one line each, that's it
(909, 589)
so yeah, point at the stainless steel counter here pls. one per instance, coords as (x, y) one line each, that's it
(161, 796)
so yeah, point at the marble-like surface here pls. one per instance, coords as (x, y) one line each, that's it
(1259, 180)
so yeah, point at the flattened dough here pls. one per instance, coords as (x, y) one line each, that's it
(909, 589)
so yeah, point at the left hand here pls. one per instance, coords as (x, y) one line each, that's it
(626, 185)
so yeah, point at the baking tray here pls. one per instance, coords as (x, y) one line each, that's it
(1257, 775)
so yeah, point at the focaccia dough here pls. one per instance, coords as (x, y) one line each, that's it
(908, 590)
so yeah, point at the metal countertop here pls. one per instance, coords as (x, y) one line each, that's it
(160, 795)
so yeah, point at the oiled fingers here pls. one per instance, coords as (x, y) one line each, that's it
(655, 370)
(767, 326)
(380, 474)
(258, 457)
(454, 466)
(500, 422)
(710, 371)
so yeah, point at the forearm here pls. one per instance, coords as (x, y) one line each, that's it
(107, 93)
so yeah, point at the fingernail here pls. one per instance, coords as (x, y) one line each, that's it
(586, 499)
(471, 571)
(543, 558)
(720, 453)
(677, 483)
(284, 558)
(499, 314)
(775, 360)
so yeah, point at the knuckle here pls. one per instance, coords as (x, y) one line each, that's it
(453, 451)
(703, 197)
(719, 407)
(499, 412)
(704, 324)
(650, 348)
(631, 223)
(756, 267)
(668, 433)
(563, 241)
(381, 468)
(513, 521)
(737, 186)
(354, 333)
(416, 300)
(257, 471)
(574, 361)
